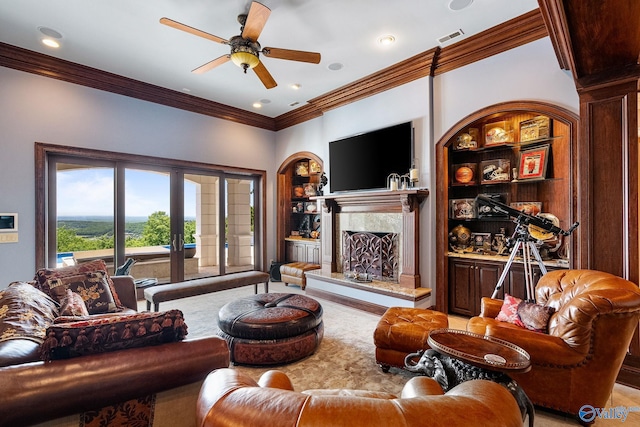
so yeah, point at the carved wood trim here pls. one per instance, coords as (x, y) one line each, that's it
(508, 35)
(555, 19)
(516, 32)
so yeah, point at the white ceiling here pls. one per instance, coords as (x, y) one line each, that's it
(125, 37)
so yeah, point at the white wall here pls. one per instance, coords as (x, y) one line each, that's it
(529, 72)
(40, 109)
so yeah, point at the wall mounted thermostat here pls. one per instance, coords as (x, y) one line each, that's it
(8, 227)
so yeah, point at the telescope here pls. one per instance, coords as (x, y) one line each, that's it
(526, 219)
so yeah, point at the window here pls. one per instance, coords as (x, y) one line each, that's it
(178, 220)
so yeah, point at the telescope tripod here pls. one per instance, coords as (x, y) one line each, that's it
(528, 246)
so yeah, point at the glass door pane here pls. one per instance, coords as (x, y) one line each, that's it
(147, 231)
(201, 225)
(84, 213)
(239, 230)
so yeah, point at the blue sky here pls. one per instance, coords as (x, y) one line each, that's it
(89, 192)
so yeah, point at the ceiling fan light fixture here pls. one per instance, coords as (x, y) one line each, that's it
(245, 60)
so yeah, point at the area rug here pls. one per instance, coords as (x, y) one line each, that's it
(346, 355)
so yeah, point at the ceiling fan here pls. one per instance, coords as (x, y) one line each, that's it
(245, 49)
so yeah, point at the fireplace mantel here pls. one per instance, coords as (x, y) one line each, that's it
(407, 202)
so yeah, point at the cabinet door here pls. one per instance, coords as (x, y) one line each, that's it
(487, 274)
(462, 287)
(313, 253)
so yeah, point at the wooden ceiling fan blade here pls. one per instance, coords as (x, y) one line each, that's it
(292, 55)
(256, 19)
(182, 27)
(211, 64)
(264, 76)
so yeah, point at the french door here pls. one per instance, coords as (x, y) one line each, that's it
(176, 222)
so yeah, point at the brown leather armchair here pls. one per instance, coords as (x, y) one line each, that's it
(577, 362)
(230, 398)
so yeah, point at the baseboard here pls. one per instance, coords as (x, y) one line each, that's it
(629, 374)
(349, 302)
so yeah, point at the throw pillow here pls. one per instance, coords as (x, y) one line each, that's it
(72, 304)
(25, 312)
(92, 287)
(509, 310)
(110, 333)
(535, 316)
(46, 277)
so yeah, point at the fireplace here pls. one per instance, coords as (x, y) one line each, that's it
(370, 256)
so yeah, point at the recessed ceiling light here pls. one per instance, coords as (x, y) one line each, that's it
(51, 43)
(335, 66)
(257, 105)
(386, 40)
(459, 4)
(295, 86)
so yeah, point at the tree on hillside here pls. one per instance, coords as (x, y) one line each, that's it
(157, 230)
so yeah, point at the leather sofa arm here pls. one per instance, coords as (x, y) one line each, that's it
(490, 307)
(421, 386)
(41, 391)
(126, 289)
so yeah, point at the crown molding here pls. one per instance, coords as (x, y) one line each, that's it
(516, 32)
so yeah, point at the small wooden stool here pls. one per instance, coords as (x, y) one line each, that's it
(294, 273)
(403, 330)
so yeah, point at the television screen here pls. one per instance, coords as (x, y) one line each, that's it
(363, 162)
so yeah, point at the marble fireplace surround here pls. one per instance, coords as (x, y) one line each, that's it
(406, 203)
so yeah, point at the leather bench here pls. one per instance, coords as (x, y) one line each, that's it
(205, 285)
(271, 329)
(404, 330)
(294, 273)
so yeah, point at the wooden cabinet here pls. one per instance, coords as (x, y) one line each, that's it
(303, 250)
(520, 154)
(469, 281)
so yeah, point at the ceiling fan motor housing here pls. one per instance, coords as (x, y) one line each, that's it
(244, 52)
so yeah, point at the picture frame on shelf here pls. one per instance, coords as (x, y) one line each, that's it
(533, 163)
(302, 168)
(463, 208)
(464, 174)
(497, 133)
(495, 171)
(310, 190)
(481, 241)
(537, 128)
(314, 167)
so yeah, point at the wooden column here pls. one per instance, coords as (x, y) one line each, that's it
(410, 274)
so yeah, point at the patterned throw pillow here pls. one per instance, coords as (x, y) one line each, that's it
(90, 279)
(110, 333)
(72, 304)
(25, 312)
(509, 310)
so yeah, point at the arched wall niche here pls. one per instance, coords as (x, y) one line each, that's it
(565, 184)
(284, 178)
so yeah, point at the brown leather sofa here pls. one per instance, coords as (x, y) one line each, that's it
(230, 398)
(33, 391)
(576, 363)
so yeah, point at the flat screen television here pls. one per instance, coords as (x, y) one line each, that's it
(364, 161)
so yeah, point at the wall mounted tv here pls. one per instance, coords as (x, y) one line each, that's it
(364, 161)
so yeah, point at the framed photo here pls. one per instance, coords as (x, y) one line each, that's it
(495, 171)
(463, 208)
(497, 133)
(464, 174)
(310, 190)
(314, 167)
(481, 241)
(302, 168)
(533, 163)
(537, 128)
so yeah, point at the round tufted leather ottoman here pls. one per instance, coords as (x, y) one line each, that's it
(403, 330)
(271, 329)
